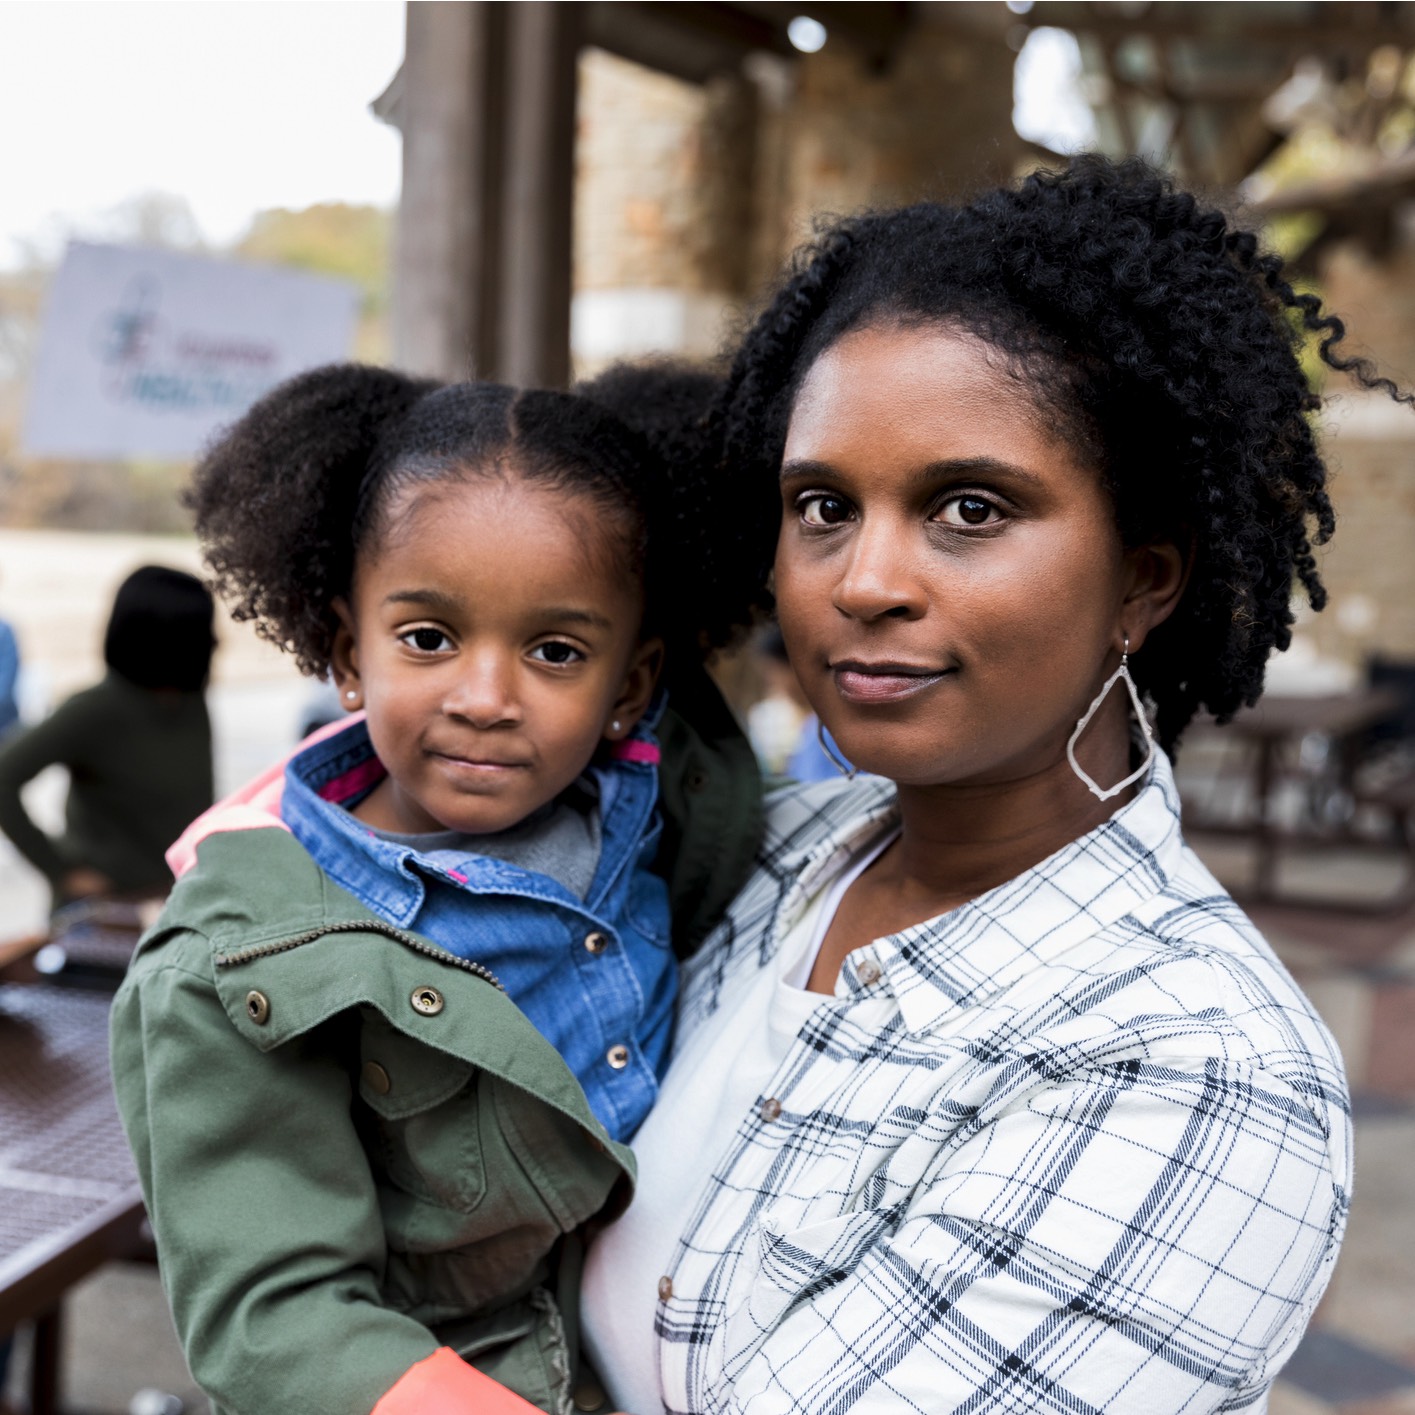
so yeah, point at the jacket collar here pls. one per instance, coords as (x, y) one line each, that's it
(960, 958)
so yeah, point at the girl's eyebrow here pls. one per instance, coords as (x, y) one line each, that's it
(433, 599)
(578, 616)
(927, 474)
(453, 604)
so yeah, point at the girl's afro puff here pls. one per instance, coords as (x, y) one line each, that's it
(276, 497)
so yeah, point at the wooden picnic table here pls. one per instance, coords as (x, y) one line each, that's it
(1276, 724)
(69, 1195)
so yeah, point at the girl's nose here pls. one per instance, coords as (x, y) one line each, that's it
(483, 692)
(878, 578)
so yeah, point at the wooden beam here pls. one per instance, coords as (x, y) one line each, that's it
(1226, 21)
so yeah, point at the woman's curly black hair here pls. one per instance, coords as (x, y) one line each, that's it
(1164, 342)
(288, 496)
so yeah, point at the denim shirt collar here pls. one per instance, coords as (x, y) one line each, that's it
(392, 878)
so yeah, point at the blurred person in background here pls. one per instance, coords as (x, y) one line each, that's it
(9, 678)
(136, 745)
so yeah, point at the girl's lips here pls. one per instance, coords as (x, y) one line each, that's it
(883, 684)
(471, 764)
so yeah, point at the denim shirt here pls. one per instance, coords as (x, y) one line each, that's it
(596, 976)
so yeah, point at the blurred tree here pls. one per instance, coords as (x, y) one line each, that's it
(352, 242)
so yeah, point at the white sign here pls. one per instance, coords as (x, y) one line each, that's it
(144, 352)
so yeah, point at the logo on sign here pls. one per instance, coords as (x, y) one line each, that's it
(149, 365)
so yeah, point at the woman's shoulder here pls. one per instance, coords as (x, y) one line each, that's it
(1186, 977)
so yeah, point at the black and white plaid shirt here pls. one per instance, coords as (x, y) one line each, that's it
(1080, 1145)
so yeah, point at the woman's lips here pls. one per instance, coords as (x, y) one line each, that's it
(883, 682)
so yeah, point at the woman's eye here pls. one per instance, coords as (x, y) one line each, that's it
(427, 640)
(967, 511)
(820, 510)
(557, 653)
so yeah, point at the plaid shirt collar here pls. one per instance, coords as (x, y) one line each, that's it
(982, 947)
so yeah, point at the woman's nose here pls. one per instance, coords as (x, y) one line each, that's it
(483, 692)
(878, 578)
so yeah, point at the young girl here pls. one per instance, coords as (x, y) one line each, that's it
(412, 992)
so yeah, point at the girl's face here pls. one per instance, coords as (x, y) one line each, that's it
(949, 578)
(493, 637)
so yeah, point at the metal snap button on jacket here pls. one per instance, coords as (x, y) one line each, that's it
(257, 1007)
(376, 1078)
(771, 1108)
(618, 1057)
(589, 1394)
(596, 942)
(428, 1001)
(665, 1288)
(868, 972)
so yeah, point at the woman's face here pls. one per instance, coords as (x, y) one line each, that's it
(950, 582)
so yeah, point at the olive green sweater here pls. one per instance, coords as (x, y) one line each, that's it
(139, 766)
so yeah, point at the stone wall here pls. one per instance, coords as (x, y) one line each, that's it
(690, 197)
(1369, 566)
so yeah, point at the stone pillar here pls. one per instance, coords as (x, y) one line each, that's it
(533, 345)
(482, 267)
(442, 216)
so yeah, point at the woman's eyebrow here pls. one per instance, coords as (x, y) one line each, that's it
(929, 473)
(974, 467)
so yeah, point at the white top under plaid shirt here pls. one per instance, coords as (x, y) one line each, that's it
(1080, 1145)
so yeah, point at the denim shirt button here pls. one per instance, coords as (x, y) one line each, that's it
(618, 1057)
(596, 942)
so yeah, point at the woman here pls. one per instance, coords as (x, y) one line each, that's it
(986, 1096)
(137, 746)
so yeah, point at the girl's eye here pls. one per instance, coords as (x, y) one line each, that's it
(557, 652)
(967, 511)
(819, 509)
(427, 640)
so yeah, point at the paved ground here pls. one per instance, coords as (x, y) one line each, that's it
(1358, 1359)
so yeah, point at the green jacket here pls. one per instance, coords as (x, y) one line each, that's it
(353, 1146)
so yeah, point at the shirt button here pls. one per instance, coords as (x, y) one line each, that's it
(665, 1288)
(376, 1078)
(596, 943)
(771, 1108)
(428, 1001)
(257, 1007)
(618, 1057)
(868, 972)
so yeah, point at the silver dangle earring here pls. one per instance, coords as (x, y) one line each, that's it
(832, 754)
(1121, 674)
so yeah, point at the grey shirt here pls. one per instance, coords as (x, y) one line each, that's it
(561, 840)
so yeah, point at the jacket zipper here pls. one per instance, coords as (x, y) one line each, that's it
(377, 926)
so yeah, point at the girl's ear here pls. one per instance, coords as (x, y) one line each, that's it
(344, 659)
(637, 692)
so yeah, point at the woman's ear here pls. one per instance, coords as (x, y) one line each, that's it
(344, 659)
(1156, 577)
(634, 697)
